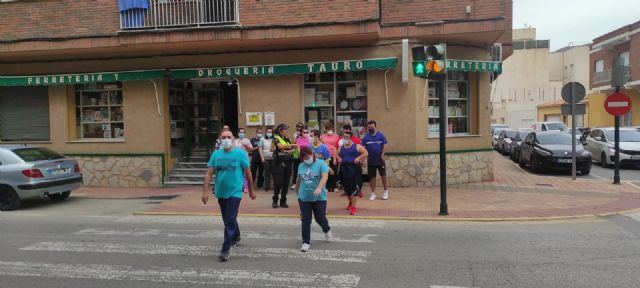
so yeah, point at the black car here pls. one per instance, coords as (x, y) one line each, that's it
(516, 141)
(551, 151)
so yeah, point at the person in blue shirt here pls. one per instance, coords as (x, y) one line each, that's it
(312, 195)
(231, 166)
(375, 143)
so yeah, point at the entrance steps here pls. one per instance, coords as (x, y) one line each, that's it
(191, 172)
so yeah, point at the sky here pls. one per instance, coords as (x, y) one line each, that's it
(576, 21)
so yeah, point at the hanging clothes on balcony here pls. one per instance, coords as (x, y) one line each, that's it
(133, 13)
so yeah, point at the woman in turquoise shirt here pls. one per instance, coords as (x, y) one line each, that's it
(312, 195)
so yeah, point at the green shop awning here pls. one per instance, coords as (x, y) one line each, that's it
(82, 78)
(285, 69)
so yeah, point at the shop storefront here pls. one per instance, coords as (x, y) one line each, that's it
(129, 128)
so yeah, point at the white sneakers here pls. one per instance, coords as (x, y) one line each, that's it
(305, 247)
(293, 187)
(385, 196)
(328, 236)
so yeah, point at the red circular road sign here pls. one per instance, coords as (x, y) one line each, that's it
(617, 104)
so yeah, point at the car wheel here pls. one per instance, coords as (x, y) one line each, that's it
(603, 160)
(9, 200)
(59, 196)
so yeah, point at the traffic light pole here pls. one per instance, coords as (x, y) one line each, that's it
(442, 111)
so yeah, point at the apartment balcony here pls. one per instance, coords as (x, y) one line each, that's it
(175, 14)
(602, 79)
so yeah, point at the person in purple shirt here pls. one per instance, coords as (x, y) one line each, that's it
(375, 143)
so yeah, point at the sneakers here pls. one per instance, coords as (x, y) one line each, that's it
(275, 204)
(352, 211)
(293, 187)
(349, 207)
(328, 236)
(284, 205)
(305, 247)
(372, 197)
(223, 257)
(385, 196)
(236, 242)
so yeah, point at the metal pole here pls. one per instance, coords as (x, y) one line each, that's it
(444, 128)
(573, 131)
(616, 173)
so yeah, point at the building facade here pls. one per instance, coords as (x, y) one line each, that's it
(533, 76)
(134, 89)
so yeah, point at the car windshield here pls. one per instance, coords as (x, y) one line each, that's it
(523, 135)
(511, 134)
(36, 154)
(556, 126)
(555, 139)
(498, 131)
(625, 136)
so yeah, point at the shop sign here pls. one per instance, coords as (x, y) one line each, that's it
(285, 69)
(474, 66)
(85, 78)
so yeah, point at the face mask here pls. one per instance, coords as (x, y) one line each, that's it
(372, 130)
(347, 142)
(308, 161)
(269, 135)
(330, 132)
(226, 143)
(260, 135)
(241, 135)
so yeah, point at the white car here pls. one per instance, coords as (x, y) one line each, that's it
(600, 143)
(549, 126)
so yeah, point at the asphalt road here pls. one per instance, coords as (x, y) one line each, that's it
(627, 173)
(98, 243)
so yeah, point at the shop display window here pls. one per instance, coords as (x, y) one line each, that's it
(457, 93)
(99, 111)
(336, 99)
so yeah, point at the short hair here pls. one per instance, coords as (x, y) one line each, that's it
(259, 128)
(372, 122)
(316, 132)
(306, 150)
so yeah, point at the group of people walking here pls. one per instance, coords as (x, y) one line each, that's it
(319, 163)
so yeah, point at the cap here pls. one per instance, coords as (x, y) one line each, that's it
(282, 126)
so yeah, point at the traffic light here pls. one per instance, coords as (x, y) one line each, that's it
(419, 64)
(437, 63)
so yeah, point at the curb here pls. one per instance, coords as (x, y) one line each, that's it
(394, 218)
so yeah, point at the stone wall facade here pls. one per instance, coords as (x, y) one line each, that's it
(121, 171)
(424, 170)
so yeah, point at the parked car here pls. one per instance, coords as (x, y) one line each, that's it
(504, 141)
(30, 172)
(549, 126)
(551, 151)
(600, 143)
(494, 137)
(496, 126)
(516, 141)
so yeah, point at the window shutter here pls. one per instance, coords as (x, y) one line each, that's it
(24, 114)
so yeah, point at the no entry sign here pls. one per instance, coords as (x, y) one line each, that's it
(617, 104)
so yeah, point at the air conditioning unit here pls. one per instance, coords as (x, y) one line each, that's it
(496, 52)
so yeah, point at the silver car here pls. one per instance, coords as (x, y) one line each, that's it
(31, 172)
(601, 145)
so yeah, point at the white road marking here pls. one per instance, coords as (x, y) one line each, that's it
(439, 286)
(355, 223)
(634, 216)
(357, 238)
(197, 276)
(192, 250)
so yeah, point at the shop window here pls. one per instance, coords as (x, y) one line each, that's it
(99, 111)
(336, 99)
(24, 114)
(457, 94)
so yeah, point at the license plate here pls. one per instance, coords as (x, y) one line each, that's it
(61, 171)
(635, 157)
(565, 161)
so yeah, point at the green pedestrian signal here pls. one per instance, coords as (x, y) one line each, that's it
(419, 69)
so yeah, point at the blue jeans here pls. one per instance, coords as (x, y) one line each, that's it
(319, 210)
(229, 209)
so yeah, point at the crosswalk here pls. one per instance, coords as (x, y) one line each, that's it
(87, 253)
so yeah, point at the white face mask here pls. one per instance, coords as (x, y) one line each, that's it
(330, 132)
(269, 135)
(260, 135)
(308, 161)
(346, 141)
(226, 143)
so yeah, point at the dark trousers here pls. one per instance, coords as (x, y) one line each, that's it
(296, 164)
(331, 181)
(319, 210)
(267, 167)
(281, 177)
(256, 167)
(229, 210)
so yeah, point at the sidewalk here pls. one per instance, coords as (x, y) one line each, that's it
(513, 195)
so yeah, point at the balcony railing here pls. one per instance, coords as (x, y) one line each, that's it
(605, 76)
(168, 14)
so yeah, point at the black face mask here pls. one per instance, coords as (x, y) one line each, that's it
(372, 130)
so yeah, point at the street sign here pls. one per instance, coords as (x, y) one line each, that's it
(573, 90)
(565, 109)
(617, 104)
